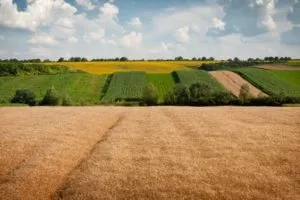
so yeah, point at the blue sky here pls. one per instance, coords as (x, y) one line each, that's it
(50, 29)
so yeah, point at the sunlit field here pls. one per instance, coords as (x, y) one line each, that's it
(146, 66)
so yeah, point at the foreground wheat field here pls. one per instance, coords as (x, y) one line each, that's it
(150, 153)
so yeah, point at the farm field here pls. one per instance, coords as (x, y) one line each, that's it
(233, 82)
(280, 67)
(188, 77)
(273, 82)
(146, 66)
(294, 63)
(194, 153)
(127, 86)
(164, 83)
(82, 88)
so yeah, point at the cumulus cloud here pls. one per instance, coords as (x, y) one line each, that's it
(218, 24)
(88, 4)
(94, 36)
(163, 48)
(182, 34)
(42, 38)
(135, 23)
(38, 12)
(73, 40)
(132, 40)
(249, 17)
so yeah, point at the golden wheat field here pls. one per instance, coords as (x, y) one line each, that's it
(150, 153)
(147, 66)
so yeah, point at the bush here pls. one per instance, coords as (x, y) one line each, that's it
(245, 94)
(225, 98)
(200, 93)
(24, 96)
(51, 98)
(66, 100)
(150, 95)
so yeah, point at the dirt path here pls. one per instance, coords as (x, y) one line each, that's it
(150, 153)
(233, 82)
(279, 67)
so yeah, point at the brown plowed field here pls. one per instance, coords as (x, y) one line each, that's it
(233, 82)
(150, 153)
(279, 67)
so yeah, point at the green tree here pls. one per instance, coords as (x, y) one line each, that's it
(245, 94)
(51, 98)
(24, 96)
(150, 95)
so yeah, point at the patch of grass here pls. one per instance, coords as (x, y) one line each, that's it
(83, 89)
(164, 83)
(295, 63)
(273, 82)
(126, 86)
(188, 77)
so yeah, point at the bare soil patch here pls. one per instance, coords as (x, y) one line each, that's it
(279, 67)
(233, 82)
(150, 153)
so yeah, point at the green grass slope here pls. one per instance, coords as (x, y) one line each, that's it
(188, 77)
(273, 82)
(82, 88)
(162, 82)
(125, 86)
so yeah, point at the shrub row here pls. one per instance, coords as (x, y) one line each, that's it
(21, 69)
(234, 65)
(201, 94)
(51, 98)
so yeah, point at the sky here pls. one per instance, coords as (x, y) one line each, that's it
(150, 29)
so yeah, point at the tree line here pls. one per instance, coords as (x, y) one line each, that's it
(178, 58)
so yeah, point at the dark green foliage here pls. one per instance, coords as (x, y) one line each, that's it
(106, 85)
(237, 63)
(21, 69)
(245, 94)
(51, 98)
(198, 94)
(24, 96)
(66, 100)
(150, 95)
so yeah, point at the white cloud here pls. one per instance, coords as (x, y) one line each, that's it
(98, 35)
(218, 24)
(132, 40)
(42, 38)
(135, 23)
(86, 4)
(109, 10)
(2, 37)
(163, 48)
(72, 40)
(182, 35)
(37, 13)
(40, 52)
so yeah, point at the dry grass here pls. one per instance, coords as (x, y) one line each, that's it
(150, 153)
(233, 82)
(149, 67)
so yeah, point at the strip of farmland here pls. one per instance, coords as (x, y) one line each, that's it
(233, 83)
(126, 86)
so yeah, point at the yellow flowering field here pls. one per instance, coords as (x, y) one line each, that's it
(146, 66)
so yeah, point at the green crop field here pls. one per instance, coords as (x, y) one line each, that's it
(127, 86)
(82, 88)
(273, 82)
(188, 77)
(163, 83)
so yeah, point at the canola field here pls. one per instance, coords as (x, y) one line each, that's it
(146, 66)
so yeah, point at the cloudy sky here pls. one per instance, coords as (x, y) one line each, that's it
(149, 28)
